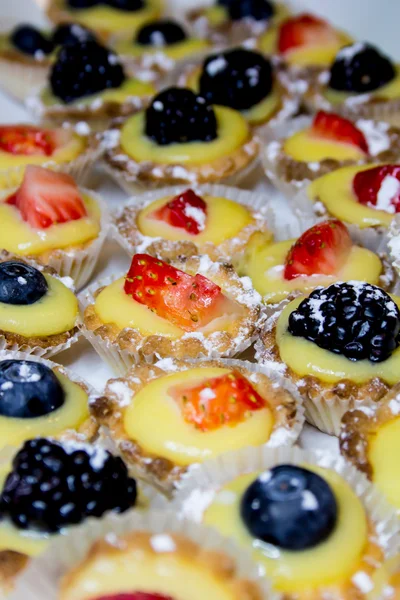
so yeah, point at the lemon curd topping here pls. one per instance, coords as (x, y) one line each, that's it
(180, 441)
(264, 263)
(306, 358)
(64, 153)
(130, 88)
(303, 146)
(383, 446)
(233, 132)
(56, 312)
(331, 562)
(176, 51)
(335, 191)
(224, 220)
(18, 237)
(390, 91)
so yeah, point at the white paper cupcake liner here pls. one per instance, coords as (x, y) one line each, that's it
(37, 350)
(20, 79)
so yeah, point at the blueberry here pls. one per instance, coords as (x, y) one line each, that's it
(126, 5)
(29, 40)
(161, 33)
(289, 507)
(259, 10)
(72, 33)
(21, 283)
(28, 389)
(81, 4)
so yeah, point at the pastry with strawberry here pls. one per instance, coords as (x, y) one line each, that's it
(189, 309)
(50, 219)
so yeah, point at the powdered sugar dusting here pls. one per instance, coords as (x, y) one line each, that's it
(349, 52)
(363, 581)
(376, 135)
(198, 215)
(309, 501)
(216, 66)
(166, 364)
(389, 190)
(162, 543)
(122, 391)
(98, 455)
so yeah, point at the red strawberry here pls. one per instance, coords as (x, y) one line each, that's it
(224, 400)
(377, 188)
(187, 301)
(321, 250)
(187, 211)
(305, 30)
(46, 197)
(27, 140)
(135, 596)
(333, 127)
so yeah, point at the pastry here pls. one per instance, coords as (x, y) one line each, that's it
(312, 522)
(38, 312)
(171, 222)
(151, 312)
(322, 254)
(180, 138)
(165, 417)
(340, 346)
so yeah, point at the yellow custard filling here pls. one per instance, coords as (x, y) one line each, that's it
(335, 191)
(383, 452)
(331, 562)
(390, 91)
(65, 153)
(304, 147)
(19, 237)
(233, 132)
(177, 51)
(225, 219)
(56, 312)
(306, 358)
(264, 263)
(179, 441)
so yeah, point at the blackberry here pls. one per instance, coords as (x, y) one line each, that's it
(259, 10)
(126, 5)
(29, 40)
(82, 4)
(361, 68)
(53, 485)
(21, 284)
(237, 78)
(355, 319)
(161, 33)
(84, 69)
(72, 33)
(177, 115)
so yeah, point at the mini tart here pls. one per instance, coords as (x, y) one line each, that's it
(329, 384)
(123, 346)
(126, 418)
(342, 566)
(35, 334)
(133, 159)
(292, 160)
(233, 215)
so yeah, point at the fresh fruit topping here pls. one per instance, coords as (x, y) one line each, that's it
(236, 78)
(27, 140)
(355, 319)
(53, 485)
(379, 188)
(161, 33)
(305, 30)
(30, 41)
(84, 3)
(321, 250)
(28, 389)
(187, 211)
(20, 283)
(72, 33)
(84, 69)
(224, 400)
(338, 129)
(290, 507)
(361, 68)
(135, 596)
(127, 5)
(259, 10)
(190, 302)
(179, 116)
(46, 198)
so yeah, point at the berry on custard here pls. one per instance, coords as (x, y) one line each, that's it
(330, 126)
(258, 10)
(72, 33)
(126, 5)
(161, 33)
(28, 140)
(82, 4)
(305, 30)
(379, 188)
(21, 284)
(30, 41)
(186, 211)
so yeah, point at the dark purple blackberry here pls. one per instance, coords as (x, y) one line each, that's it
(177, 115)
(30, 40)
(72, 33)
(355, 319)
(82, 4)
(361, 68)
(236, 78)
(161, 33)
(84, 69)
(259, 10)
(126, 5)
(54, 485)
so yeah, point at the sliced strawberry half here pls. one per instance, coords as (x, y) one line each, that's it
(186, 211)
(27, 140)
(224, 400)
(305, 30)
(46, 197)
(135, 596)
(330, 126)
(190, 302)
(379, 188)
(321, 250)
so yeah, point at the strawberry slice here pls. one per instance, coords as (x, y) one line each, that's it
(329, 126)
(321, 250)
(379, 188)
(187, 301)
(187, 211)
(135, 596)
(305, 30)
(27, 140)
(224, 400)
(45, 198)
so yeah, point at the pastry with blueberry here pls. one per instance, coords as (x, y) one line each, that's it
(88, 83)
(180, 138)
(312, 522)
(38, 312)
(339, 346)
